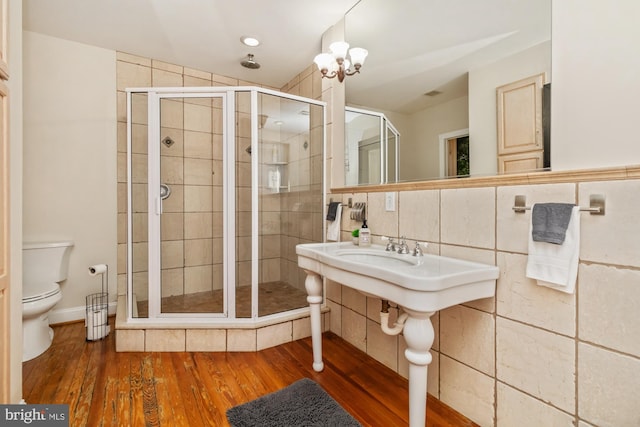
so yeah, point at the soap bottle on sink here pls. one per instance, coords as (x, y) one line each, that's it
(365, 235)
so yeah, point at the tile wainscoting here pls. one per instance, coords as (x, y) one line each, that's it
(530, 356)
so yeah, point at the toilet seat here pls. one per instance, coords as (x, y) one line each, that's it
(42, 291)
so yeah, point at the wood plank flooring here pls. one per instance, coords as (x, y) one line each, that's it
(106, 388)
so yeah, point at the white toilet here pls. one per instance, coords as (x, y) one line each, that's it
(44, 265)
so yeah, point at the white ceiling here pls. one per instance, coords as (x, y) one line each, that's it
(415, 46)
(201, 34)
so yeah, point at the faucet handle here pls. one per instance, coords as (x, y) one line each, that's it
(403, 248)
(417, 251)
(391, 246)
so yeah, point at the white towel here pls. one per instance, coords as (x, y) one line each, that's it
(556, 266)
(333, 229)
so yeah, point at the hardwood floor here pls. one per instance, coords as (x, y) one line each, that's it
(106, 388)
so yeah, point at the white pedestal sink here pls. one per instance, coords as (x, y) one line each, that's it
(420, 285)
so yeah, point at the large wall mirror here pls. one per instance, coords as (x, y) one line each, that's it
(459, 79)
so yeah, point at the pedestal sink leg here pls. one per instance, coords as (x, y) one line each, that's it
(313, 284)
(418, 333)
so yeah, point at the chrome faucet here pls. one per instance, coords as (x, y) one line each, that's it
(391, 245)
(403, 248)
(417, 251)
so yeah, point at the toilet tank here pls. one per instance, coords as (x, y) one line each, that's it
(45, 261)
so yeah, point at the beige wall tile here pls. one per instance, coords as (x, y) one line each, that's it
(198, 172)
(198, 145)
(354, 328)
(273, 335)
(468, 217)
(302, 328)
(172, 253)
(172, 281)
(198, 224)
(607, 387)
(512, 227)
(520, 298)
(538, 362)
(198, 252)
(206, 340)
(171, 226)
(162, 78)
(198, 74)
(608, 307)
(515, 408)
(197, 118)
(198, 279)
(467, 391)
(333, 291)
(134, 59)
(166, 66)
(175, 203)
(354, 300)
(139, 138)
(198, 198)
(419, 215)
(467, 335)
(171, 114)
(335, 318)
(381, 222)
(612, 238)
(470, 254)
(165, 340)
(132, 75)
(171, 170)
(241, 340)
(382, 347)
(129, 340)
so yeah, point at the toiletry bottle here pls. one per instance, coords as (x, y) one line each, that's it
(365, 234)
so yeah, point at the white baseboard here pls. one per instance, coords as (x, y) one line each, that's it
(74, 314)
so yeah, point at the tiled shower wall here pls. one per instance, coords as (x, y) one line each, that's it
(531, 356)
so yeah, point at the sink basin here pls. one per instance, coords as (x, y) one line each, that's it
(426, 283)
(419, 285)
(376, 257)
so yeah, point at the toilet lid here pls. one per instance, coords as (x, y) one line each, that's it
(43, 290)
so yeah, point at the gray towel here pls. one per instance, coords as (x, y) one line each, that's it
(549, 222)
(332, 210)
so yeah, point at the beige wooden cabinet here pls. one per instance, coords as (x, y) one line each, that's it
(520, 138)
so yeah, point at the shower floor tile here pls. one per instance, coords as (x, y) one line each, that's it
(273, 297)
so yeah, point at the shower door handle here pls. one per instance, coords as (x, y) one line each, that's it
(165, 191)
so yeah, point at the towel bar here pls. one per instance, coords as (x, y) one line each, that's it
(596, 205)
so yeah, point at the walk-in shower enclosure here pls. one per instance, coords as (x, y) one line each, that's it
(223, 183)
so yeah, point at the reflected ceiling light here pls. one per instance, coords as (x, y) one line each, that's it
(336, 63)
(250, 41)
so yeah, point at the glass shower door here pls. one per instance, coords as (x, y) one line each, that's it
(190, 200)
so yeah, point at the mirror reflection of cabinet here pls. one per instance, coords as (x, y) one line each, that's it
(520, 137)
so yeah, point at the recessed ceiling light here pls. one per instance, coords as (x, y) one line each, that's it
(278, 122)
(250, 41)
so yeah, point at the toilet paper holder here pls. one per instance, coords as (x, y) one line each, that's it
(97, 306)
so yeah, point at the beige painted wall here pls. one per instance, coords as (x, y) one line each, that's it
(15, 147)
(70, 159)
(596, 91)
(483, 134)
(421, 159)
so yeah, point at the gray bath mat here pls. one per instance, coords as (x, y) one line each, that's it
(302, 404)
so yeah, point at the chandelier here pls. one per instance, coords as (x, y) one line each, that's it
(336, 64)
